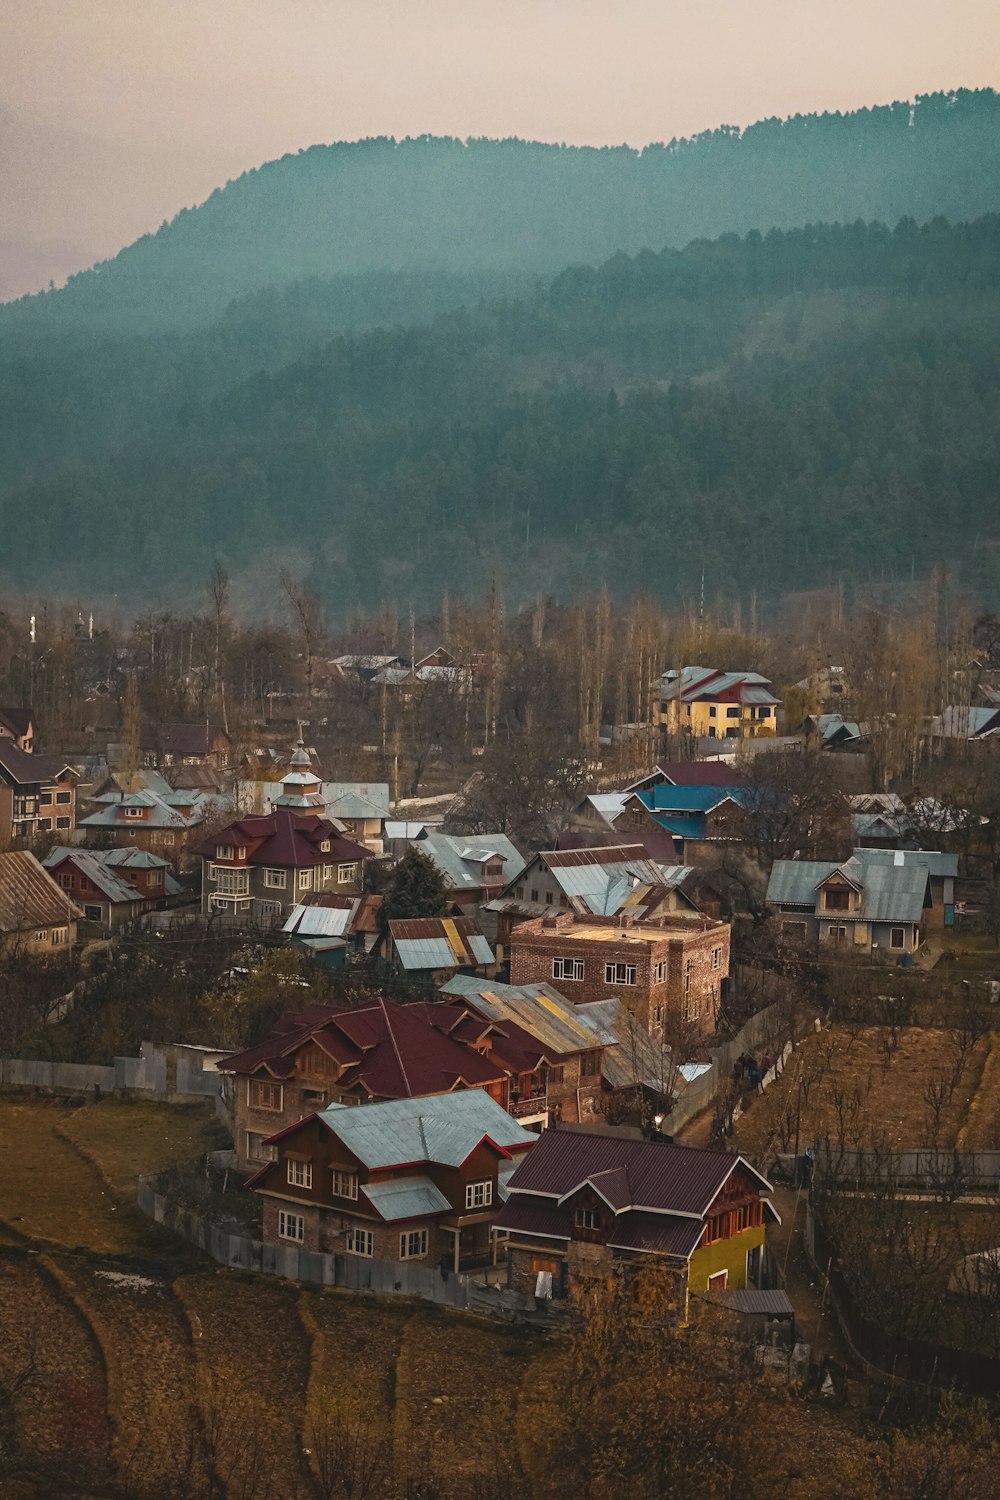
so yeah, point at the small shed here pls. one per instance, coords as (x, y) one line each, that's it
(766, 1317)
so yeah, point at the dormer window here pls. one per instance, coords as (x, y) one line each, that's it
(324, 847)
(224, 851)
(587, 1218)
(133, 812)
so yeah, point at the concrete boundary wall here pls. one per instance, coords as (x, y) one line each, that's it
(353, 1272)
(185, 1082)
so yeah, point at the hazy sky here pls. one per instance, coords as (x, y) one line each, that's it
(114, 114)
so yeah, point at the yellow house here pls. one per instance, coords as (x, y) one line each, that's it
(708, 704)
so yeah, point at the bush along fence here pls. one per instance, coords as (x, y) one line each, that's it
(174, 1073)
(354, 1273)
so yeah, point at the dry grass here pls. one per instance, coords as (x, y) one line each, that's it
(126, 1140)
(858, 1088)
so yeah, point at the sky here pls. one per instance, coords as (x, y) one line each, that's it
(115, 114)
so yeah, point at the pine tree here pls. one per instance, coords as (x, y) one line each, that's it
(415, 890)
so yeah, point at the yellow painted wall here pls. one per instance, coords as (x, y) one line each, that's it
(697, 719)
(725, 1255)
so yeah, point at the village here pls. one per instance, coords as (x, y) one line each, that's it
(706, 998)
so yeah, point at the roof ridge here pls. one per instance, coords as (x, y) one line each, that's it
(395, 1045)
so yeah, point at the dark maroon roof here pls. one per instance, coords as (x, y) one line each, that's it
(524, 1215)
(702, 773)
(657, 1232)
(24, 769)
(656, 843)
(287, 839)
(182, 738)
(17, 720)
(393, 1051)
(677, 1179)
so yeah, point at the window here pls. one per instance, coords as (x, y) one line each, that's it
(478, 1194)
(587, 1218)
(291, 1226)
(660, 971)
(231, 882)
(732, 713)
(566, 968)
(717, 1283)
(264, 1095)
(305, 880)
(413, 1244)
(62, 798)
(92, 913)
(45, 799)
(548, 898)
(519, 892)
(552, 1078)
(327, 873)
(688, 975)
(534, 895)
(67, 880)
(223, 851)
(300, 1174)
(344, 1185)
(60, 822)
(133, 812)
(716, 958)
(346, 872)
(838, 900)
(837, 934)
(360, 1242)
(897, 937)
(257, 1150)
(590, 1064)
(711, 711)
(60, 935)
(324, 847)
(276, 880)
(619, 973)
(46, 823)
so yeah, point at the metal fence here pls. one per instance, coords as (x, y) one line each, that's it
(170, 1073)
(761, 1031)
(353, 1272)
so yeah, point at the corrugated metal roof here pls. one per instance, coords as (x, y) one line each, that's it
(29, 897)
(91, 863)
(457, 857)
(440, 1128)
(319, 921)
(538, 1009)
(405, 1198)
(773, 1304)
(440, 942)
(608, 804)
(894, 890)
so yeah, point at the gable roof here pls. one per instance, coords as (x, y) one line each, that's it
(91, 862)
(959, 722)
(701, 773)
(692, 684)
(649, 1176)
(180, 738)
(444, 1129)
(29, 897)
(391, 1051)
(23, 768)
(329, 914)
(894, 883)
(17, 720)
(440, 943)
(606, 879)
(287, 840)
(459, 857)
(548, 1017)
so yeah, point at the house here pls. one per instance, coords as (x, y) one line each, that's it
(689, 773)
(703, 702)
(675, 969)
(959, 722)
(17, 724)
(600, 818)
(604, 881)
(261, 866)
(475, 867)
(826, 689)
(37, 794)
(879, 900)
(178, 743)
(36, 915)
(563, 1060)
(320, 1056)
(581, 1205)
(697, 818)
(834, 732)
(113, 886)
(360, 807)
(408, 1180)
(325, 918)
(429, 950)
(360, 666)
(166, 822)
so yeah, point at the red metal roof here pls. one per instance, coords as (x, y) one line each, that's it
(286, 839)
(608, 855)
(702, 773)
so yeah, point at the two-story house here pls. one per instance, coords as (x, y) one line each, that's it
(113, 886)
(259, 867)
(475, 867)
(408, 1180)
(166, 822)
(708, 704)
(675, 969)
(191, 744)
(321, 1056)
(37, 794)
(36, 915)
(579, 1206)
(878, 901)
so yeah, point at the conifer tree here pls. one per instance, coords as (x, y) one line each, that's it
(415, 890)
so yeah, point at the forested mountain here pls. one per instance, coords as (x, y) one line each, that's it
(448, 205)
(779, 411)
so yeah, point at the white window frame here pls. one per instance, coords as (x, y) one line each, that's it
(305, 880)
(327, 872)
(60, 935)
(257, 1149)
(479, 1194)
(300, 1174)
(276, 880)
(291, 1226)
(616, 973)
(408, 1239)
(568, 968)
(347, 872)
(660, 971)
(716, 958)
(714, 1276)
(133, 812)
(900, 946)
(836, 932)
(360, 1241)
(223, 851)
(587, 1218)
(344, 1183)
(231, 882)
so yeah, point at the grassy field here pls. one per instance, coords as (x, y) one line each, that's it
(864, 1086)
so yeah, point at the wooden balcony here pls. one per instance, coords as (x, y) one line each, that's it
(535, 1105)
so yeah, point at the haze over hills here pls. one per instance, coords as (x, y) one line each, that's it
(442, 205)
(781, 411)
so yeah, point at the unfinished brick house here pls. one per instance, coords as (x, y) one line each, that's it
(411, 1179)
(679, 965)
